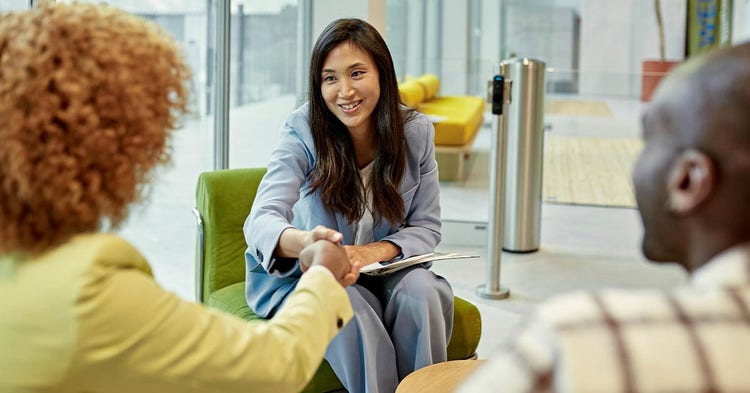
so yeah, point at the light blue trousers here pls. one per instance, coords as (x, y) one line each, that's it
(402, 322)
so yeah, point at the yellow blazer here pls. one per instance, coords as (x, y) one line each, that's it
(88, 316)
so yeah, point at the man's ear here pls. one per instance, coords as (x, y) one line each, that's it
(691, 179)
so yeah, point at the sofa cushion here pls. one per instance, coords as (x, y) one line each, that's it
(232, 300)
(467, 329)
(431, 85)
(457, 118)
(412, 93)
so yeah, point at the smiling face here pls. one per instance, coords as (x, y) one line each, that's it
(351, 87)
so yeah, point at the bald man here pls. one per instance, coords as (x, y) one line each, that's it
(692, 185)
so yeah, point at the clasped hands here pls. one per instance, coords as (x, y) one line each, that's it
(323, 247)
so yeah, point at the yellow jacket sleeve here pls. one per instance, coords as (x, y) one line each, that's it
(136, 337)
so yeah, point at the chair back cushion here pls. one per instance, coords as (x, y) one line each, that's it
(224, 199)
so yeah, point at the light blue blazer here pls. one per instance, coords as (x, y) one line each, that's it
(282, 202)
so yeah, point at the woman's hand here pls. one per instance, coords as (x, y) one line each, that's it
(372, 252)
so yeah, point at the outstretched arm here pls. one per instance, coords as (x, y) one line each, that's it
(135, 336)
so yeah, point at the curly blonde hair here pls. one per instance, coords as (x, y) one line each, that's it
(89, 97)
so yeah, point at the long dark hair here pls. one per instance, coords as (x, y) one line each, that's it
(336, 175)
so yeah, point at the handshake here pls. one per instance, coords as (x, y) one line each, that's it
(324, 249)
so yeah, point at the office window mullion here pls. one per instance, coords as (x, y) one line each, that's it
(221, 72)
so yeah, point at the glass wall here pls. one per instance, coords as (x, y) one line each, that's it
(592, 85)
(460, 41)
(164, 228)
(478, 73)
(263, 90)
(591, 47)
(544, 30)
(13, 5)
(264, 67)
(413, 33)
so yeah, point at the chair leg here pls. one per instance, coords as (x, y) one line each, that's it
(199, 257)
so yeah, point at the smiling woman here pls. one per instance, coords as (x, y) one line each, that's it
(355, 166)
(351, 91)
(339, 143)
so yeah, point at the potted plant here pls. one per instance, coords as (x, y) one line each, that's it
(653, 71)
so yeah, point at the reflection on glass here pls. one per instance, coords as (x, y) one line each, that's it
(547, 32)
(164, 228)
(13, 5)
(263, 82)
(413, 34)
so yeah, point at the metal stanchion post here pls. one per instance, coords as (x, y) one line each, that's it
(499, 92)
(524, 155)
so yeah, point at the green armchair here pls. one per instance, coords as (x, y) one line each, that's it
(223, 201)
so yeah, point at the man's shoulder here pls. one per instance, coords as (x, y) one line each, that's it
(642, 331)
(620, 308)
(582, 308)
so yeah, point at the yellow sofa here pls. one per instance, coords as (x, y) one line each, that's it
(457, 120)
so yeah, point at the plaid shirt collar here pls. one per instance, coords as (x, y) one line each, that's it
(729, 269)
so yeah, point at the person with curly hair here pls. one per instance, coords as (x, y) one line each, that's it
(89, 98)
(357, 162)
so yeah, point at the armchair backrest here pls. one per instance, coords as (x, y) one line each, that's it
(223, 201)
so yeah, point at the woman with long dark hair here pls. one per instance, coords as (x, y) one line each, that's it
(359, 168)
